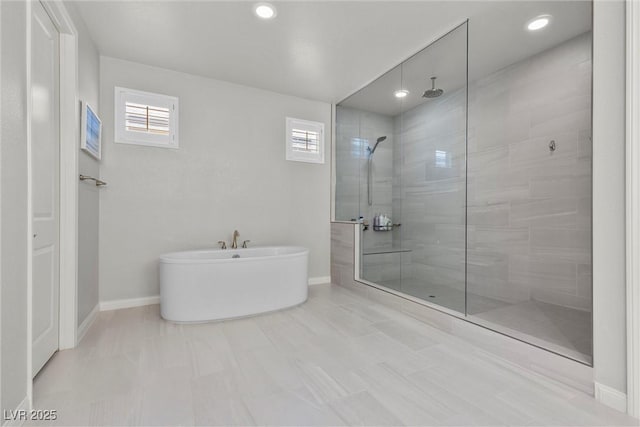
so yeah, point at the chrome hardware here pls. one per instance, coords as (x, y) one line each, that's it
(98, 182)
(234, 242)
(385, 227)
(244, 244)
(223, 244)
(552, 145)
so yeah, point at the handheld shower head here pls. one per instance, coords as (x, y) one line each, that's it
(433, 92)
(369, 169)
(378, 141)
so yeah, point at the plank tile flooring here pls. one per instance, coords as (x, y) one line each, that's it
(338, 359)
(561, 329)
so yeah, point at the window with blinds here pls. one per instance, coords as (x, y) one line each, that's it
(305, 141)
(146, 118)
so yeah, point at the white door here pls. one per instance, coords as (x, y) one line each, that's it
(45, 178)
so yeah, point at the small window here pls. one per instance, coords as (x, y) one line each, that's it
(305, 141)
(443, 159)
(145, 118)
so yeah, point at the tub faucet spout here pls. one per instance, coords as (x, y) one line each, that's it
(234, 243)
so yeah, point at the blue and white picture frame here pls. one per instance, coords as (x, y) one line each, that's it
(90, 131)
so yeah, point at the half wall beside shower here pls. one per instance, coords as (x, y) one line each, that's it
(480, 161)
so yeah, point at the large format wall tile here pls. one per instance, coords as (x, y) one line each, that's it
(526, 228)
(526, 202)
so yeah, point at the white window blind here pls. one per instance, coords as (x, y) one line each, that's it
(146, 118)
(305, 140)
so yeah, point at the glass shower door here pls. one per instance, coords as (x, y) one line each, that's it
(408, 158)
(473, 178)
(371, 151)
(431, 172)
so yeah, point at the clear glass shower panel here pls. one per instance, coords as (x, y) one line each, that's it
(374, 108)
(431, 170)
(529, 190)
(349, 159)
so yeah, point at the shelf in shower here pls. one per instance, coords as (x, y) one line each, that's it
(376, 251)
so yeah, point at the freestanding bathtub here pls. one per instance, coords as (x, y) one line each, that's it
(201, 286)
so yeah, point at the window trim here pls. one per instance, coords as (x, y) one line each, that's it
(124, 136)
(299, 156)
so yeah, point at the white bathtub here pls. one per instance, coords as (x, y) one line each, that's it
(199, 286)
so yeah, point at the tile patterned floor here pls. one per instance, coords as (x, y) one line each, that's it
(560, 329)
(336, 360)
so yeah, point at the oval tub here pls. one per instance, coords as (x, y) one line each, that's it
(201, 286)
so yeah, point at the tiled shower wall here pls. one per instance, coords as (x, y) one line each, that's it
(429, 195)
(529, 208)
(529, 212)
(356, 130)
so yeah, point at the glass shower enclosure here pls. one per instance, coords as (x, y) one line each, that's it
(472, 184)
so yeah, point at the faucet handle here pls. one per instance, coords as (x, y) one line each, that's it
(223, 244)
(244, 244)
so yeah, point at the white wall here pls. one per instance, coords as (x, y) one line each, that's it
(609, 332)
(88, 193)
(229, 173)
(13, 191)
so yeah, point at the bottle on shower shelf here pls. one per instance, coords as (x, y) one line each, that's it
(382, 222)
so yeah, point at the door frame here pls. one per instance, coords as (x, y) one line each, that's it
(69, 137)
(633, 207)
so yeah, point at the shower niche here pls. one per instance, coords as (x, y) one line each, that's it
(469, 169)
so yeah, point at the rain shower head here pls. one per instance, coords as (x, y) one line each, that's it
(378, 141)
(433, 92)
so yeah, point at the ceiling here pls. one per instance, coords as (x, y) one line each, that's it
(493, 45)
(318, 50)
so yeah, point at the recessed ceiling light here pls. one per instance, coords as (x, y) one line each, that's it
(265, 10)
(538, 22)
(401, 93)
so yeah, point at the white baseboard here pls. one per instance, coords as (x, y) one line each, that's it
(19, 419)
(611, 397)
(87, 322)
(128, 303)
(321, 280)
(139, 302)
